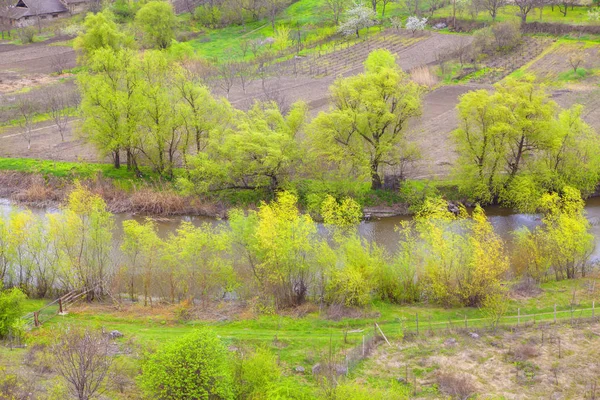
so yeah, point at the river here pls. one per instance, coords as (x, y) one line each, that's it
(382, 231)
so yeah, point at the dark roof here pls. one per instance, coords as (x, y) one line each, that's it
(29, 8)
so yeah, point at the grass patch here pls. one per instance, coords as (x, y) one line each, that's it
(572, 75)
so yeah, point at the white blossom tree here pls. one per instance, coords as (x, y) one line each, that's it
(358, 17)
(415, 24)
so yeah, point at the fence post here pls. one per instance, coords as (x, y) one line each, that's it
(363, 346)
(60, 306)
(518, 316)
(417, 317)
(571, 314)
(554, 312)
(36, 321)
(593, 307)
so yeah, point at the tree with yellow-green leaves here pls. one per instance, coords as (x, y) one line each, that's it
(366, 128)
(515, 144)
(463, 258)
(562, 244)
(277, 245)
(82, 234)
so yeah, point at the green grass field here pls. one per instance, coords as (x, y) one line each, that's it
(302, 340)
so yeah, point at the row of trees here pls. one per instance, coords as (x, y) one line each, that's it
(445, 257)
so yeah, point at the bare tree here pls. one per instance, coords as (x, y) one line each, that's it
(227, 73)
(525, 7)
(493, 6)
(274, 7)
(256, 46)
(4, 22)
(336, 8)
(245, 71)
(59, 104)
(59, 61)
(26, 110)
(83, 359)
(244, 46)
(576, 59)
(563, 6)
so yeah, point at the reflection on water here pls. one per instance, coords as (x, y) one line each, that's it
(381, 231)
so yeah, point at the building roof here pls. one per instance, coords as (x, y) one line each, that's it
(32, 8)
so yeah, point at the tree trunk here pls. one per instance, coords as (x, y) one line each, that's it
(117, 159)
(375, 178)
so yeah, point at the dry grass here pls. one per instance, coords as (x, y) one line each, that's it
(457, 386)
(37, 190)
(423, 76)
(545, 361)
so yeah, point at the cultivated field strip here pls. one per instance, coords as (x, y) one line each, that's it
(348, 59)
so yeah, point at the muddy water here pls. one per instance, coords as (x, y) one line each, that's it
(382, 231)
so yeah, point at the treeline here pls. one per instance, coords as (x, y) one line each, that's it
(154, 107)
(277, 257)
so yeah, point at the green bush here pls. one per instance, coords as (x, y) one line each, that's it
(414, 193)
(255, 373)
(11, 308)
(26, 34)
(193, 367)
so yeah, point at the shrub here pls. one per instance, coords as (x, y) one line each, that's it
(455, 386)
(11, 308)
(256, 373)
(208, 15)
(26, 34)
(193, 367)
(507, 34)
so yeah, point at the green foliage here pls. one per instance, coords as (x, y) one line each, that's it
(157, 21)
(463, 259)
(415, 193)
(343, 215)
(11, 309)
(257, 150)
(256, 373)
(514, 145)
(100, 31)
(192, 367)
(365, 128)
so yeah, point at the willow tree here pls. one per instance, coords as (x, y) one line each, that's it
(515, 144)
(366, 127)
(82, 234)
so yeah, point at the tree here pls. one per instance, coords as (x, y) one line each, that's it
(273, 8)
(82, 358)
(508, 143)
(277, 245)
(144, 250)
(192, 367)
(368, 121)
(336, 8)
(110, 104)
(100, 31)
(463, 258)
(259, 152)
(358, 17)
(525, 7)
(60, 105)
(157, 21)
(493, 6)
(82, 233)
(26, 110)
(415, 24)
(11, 308)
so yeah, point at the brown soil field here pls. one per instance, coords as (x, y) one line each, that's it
(540, 362)
(558, 60)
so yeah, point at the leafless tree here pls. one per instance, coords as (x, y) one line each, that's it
(59, 104)
(254, 7)
(26, 110)
(336, 8)
(563, 6)
(273, 8)
(227, 71)
(256, 46)
(244, 45)
(525, 7)
(83, 359)
(245, 71)
(493, 6)
(576, 59)
(59, 61)
(462, 50)
(4, 22)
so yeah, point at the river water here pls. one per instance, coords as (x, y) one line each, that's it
(382, 231)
